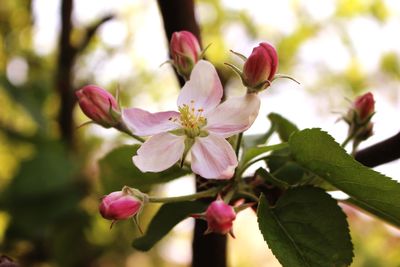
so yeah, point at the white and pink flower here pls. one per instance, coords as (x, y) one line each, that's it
(200, 127)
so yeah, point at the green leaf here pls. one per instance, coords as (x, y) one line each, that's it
(353, 202)
(318, 152)
(282, 166)
(254, 140)
(283, 127)
(268, 177)
(166, 218)
(306, 228)
(254, 152)
(117, 170)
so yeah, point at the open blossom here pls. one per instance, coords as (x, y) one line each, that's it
(199, 128)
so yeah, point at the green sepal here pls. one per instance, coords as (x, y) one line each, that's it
(189, 142)
(239, 55)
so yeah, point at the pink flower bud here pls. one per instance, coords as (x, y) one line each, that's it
(260, 68)
(185, 52)
(99, 105)
(7, 262)
(220, 217)
(119, 205)
(364, 106)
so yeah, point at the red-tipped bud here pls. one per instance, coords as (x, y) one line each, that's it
(220, 217)
(99, 105)
(185, 52)
(364, 106)
(119, 205)
(359, 119)
(260, 68)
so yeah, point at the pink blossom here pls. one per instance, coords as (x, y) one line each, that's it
(199, 128)
(119, 205)
(220, 217)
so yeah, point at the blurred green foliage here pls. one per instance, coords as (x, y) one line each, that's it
(116, 170)
(49, 189)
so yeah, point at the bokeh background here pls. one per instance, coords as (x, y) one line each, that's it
(50, 180)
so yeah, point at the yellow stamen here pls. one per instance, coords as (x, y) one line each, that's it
(191, 119)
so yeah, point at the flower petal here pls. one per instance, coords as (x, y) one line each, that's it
(213, 157)
(204, 88)
(159, 152)
(233, 116)
(144, 123)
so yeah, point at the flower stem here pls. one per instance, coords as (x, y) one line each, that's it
(248, 164)
(123, 129)
(206, 193)
(348, 139)
(248, 195)
(238, 144)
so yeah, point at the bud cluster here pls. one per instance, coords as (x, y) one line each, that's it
(359, 118)
(259, 70)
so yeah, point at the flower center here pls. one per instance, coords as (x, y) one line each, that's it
(191, 119)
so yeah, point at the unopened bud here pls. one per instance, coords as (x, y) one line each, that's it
(359, 120)
(119, 205)
(260, 68)
(364, 106)
(185, 52)
(99, 105)
(220, 217)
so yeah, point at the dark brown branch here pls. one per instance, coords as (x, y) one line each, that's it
(66, 57)
(208, 250)
(178, 15)
(91, 31)
(380, 153)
